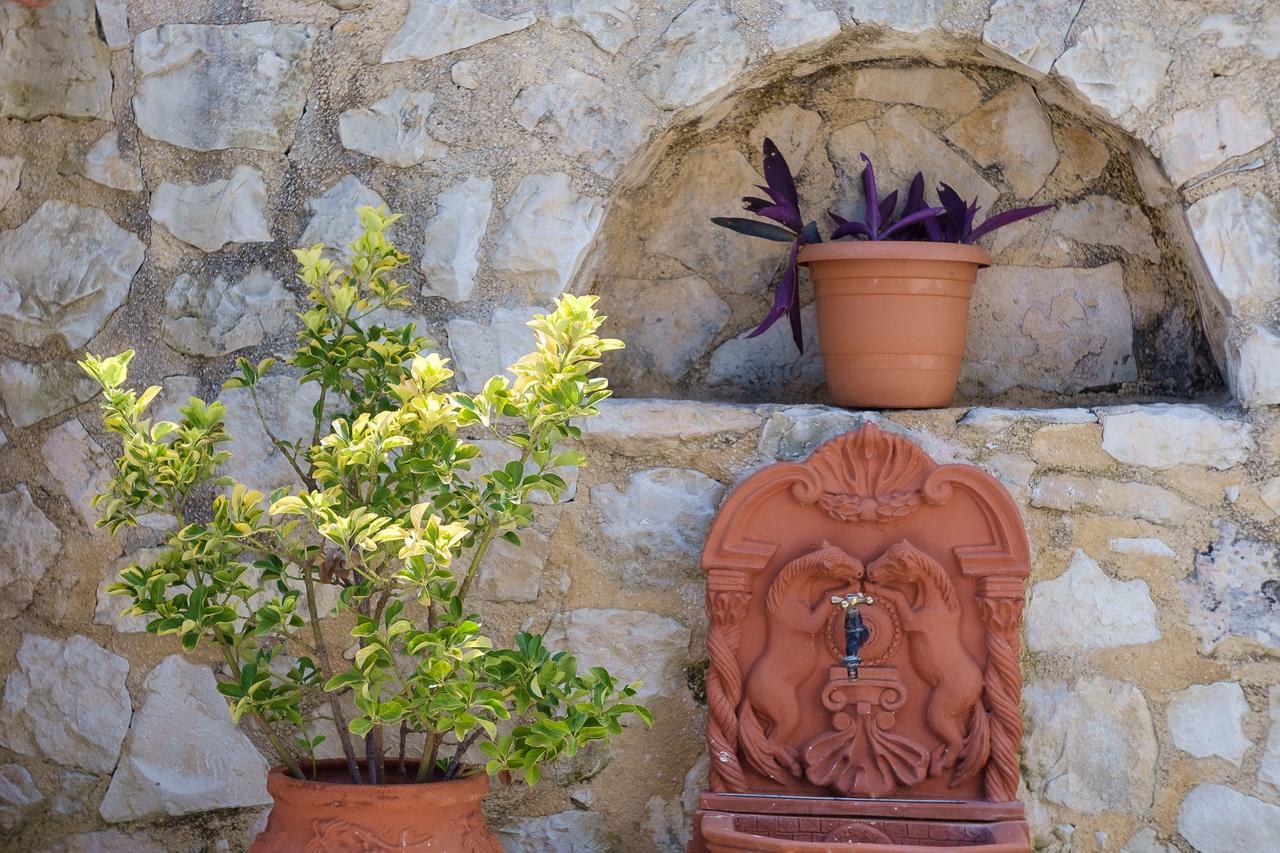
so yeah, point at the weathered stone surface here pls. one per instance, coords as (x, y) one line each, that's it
(1069, 447)
(209, 216)
(900, 146)
(513, 574)
(791, 434)
(334, 221)
(108, 608)
(394, 129)
(78, 464)
(1239, 239)
(464, 74)
(800, 22)
(1208, 719)
(10, 177)
(563, 832)
(1230, 592)
(1063, 330)
(184, 754)
(584, 118)
(1270, 493)
(1199, 139)
(1011, 131)
(548, 230)
(1146, 547)
(33, 392)
(610, 24)
(221, 316)
(105, 164)
(1161, 435)
(631, 644)
(66, 702)
(1104, 221)
(1083, 158)
(451, 248)
(1090, 746)
(1084, 609)
(667, 324)
(52, 62)
(701, 50)
(1269, 766)
(481, 350)
(910, 16)
(18, 793)
(114, 17)
(287, 406)
(209, 87)
(436, 27)
(1218, 819)
(63, 273)
(998, 420)
(656, 525)
(1257, 375)
(29, 542)
(1144, 841)
(944, 89)
(106, 841)
(654, 427)
(1117, 68)
(1107, 497)
(74, 793)
(764, 364)
(1031, 31)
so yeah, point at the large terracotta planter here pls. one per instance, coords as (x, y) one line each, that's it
(892, 317)
(338, 817)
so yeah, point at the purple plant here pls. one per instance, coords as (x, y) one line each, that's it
(956, 224)
(879, 223)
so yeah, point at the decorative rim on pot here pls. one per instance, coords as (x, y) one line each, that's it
(894, 250)
(464, 789)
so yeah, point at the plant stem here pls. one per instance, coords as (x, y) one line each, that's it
(456, 762)
(377, 761)
(430, 749)
(404, 736)
(284, 754)
(307, 481)
(326, 670)
(481, 547)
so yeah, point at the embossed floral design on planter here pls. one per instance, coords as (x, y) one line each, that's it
(926, 726)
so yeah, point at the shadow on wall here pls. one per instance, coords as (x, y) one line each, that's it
(1092, 302)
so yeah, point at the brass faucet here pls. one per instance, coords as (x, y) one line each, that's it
(856, 632)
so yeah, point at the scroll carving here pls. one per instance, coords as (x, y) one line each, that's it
(724, 688)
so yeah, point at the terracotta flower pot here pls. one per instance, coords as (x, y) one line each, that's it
(892, 317)
(334, 816)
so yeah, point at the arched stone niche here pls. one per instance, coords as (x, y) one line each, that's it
(1106, 298)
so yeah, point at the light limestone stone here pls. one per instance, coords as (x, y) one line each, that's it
(74, 793)
(79, 465)
(105, 164)
(29, 543)
(1218, 819)
(1067, 493)
(1269, 765)
(287, 406)
(511, 574)
(1161, 435)
(1117, 68)
(218, 317)
(113, 15)
(1257, 373)
(998, 420)
(656, 525)
(631, 644)
(184, 754)
(1067, 447)
(1090, 746)
(10, 177)
(209, 87)
(63, 273)
(582, 115)
(660, 340)
(1226, 593)
(909, 16)
(636, 428)
(1104, 221)
(18, 794)
(900, 146)
(1271, 494)
(209, 216)
(1010, 131)
(570, 831)
(451, 248)
(482, 350)
(437, 27)
(109, 608)
(1082, 159)
(610, 24)
(1239, 239)
(33, 392)
(944, 89)
(52, 62)
(393, 130)
(1208, 720)
(798, 134)
(700, 51)
(334, 221)
(547, 232)
(799, 23)
(106, 841)
(66, 702)
(1084, 609)
(1033, 32)
(1144, 841)
(464, 74)
(1199, 139)
(763, 364)
(1014, 471)
(1146, 547)
(1063, 330)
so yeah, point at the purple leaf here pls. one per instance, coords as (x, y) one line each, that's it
(754, 203)
(782, 187)
(1007, 218)
(753, 228)
(872, 196)
(849, 228)
(887, 204)
(784, 297)
(920, 216)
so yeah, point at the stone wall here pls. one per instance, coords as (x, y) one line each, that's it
(158, 160)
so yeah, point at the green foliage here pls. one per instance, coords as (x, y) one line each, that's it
(389, 510)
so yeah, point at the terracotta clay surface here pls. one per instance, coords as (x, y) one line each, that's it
(892, 318)
(338, 817)
(930, 728)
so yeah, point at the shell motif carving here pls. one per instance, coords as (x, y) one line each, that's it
(870, 476)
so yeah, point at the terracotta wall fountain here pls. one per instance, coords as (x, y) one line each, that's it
(865, 610)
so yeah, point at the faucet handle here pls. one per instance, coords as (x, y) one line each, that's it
(852, 599)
